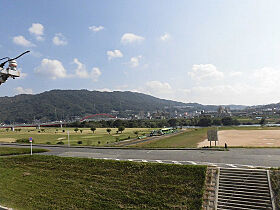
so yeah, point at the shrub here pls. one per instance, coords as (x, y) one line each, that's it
(60, 142)
(79, 142)
(24, 140)
(48, 142)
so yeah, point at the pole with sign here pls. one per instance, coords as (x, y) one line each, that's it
(30, 140)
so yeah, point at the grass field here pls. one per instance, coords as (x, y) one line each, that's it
(55, 135)
(189, 138)
(192, 137)
(49, 182)
(275, 184)
(18, 151)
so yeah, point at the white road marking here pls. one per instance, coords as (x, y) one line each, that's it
(249, 166)
(176, 162)
(191, 162)
(231, 165)
(212, 164)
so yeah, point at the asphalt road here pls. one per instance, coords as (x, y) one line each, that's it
(235, 157)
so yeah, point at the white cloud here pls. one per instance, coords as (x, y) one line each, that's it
(82, 72)
(59, 39)
(21, 90)
(95, 74)
(114, 54)
(37, 30)
(128, 38)
(134, 61)
(20, 40)
(158, 88)
(51, 69)
(235, 74)
(96, 28)
(165, 37)
(202, 72)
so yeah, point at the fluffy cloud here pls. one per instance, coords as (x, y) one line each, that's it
(82, 72)
(21, 90)
(37, 30)
(165, 37)
(158, 88)
(235, 74)
(51, 69)
(134, 61)
(59, 39)
(95, 74)
(114, 54)
(20, 40)
(96, 28)
(129, 38)
(202, 72)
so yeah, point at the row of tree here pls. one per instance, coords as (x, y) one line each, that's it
(198, 121)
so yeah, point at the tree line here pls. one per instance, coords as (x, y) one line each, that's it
(160, 123)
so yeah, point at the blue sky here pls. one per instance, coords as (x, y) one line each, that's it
(211, 51)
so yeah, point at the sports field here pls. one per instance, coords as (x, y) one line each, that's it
(82, 136)
(247, 138)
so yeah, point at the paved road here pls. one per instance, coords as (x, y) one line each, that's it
(237, 157)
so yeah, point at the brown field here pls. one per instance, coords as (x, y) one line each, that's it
(247, 138)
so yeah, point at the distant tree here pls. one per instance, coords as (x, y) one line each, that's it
(217, 121)
(227, 121)
(108, 130)
(81, 131)
(117, 123)
(136, 133)
(76, 130)
(204, 122)
(93, 129)
(262, 121)
(99, 142)
(121, 128)
(173, 122)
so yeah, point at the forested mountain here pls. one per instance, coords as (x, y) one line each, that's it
(62, 104)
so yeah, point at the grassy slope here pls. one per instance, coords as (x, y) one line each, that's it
(49, 182)
(87, 137)
(190, 138)
(17, 151)
(275, 182)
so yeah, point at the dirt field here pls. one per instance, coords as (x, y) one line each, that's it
(249, 138)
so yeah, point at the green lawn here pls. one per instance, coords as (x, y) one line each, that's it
(275, 182)
(49, 182)
(55, 135)
(18, 151)
(189, 138)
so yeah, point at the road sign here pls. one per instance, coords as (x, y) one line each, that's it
(212, 135)
(30, 139)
